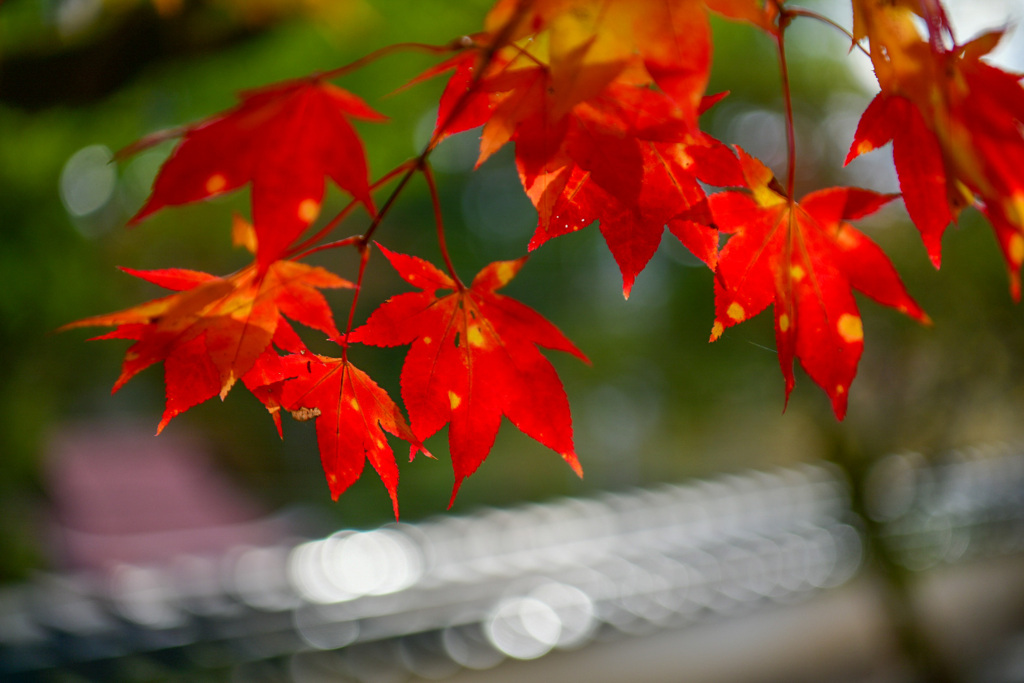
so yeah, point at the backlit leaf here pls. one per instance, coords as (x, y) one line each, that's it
(804, 259)
(212, 333)
(473, 358)
(284, 139)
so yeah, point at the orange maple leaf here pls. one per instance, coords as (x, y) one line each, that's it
(212, 332)
(956, 123)
(629, 157)
(587, 44)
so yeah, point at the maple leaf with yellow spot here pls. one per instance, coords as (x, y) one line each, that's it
(352, 414)
(473, 358)
(212, 332)
(628, 158)
(956, 124)
(285, 139)
(601, 99)
(804, 259)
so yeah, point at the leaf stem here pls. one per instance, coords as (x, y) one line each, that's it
(811, 14)
(435, 199)
(501, 39)
(364, 258)
(347, 242)
(304, 248)
(411, 166)
(362, 242)
(787, 96)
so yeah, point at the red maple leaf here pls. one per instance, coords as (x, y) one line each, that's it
(803, 258)
(351, 411)
(956, 124)
(212, 333)
(630, 161)
(559, 54)
(627, 158)
(601, 99)
(919, 164)
(473, 358)
(284, 139)
(463, 104)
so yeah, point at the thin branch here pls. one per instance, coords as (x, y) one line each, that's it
(407, 169)
(306, 244)
(410, 168)
(304, 248)
(347, 242)
(500, 40)
(389, 50)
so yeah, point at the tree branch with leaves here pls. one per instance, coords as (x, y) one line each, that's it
(602, 101)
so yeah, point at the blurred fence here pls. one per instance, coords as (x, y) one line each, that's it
(451, 596)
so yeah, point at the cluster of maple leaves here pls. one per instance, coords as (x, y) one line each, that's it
(601, 99)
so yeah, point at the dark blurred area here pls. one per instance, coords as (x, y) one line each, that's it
(87, 495)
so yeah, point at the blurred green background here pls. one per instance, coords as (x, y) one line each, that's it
(80, 79)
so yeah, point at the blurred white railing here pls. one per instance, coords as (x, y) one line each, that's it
(432, 599)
